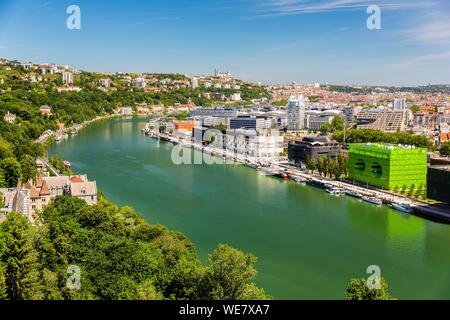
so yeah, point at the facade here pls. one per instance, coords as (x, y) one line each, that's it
(186, 125)
(315, 147)
(383, 120)
(248, 122)
(221, 113)
(296, 113)
(10, 117)
(106, 83)
(315, 123)
(391, 167)
(439, 184)
(194, 83)
(139, 83)
(46, 110)
(67, 77)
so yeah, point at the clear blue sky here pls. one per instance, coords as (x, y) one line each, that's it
(275, 41)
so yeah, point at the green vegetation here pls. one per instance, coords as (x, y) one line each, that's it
(445, 149)
(280, 103)
(358, 290)
(370, 135)
(327, 166)
(120, 256)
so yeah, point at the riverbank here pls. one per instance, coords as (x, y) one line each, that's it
(286, 170)
(308, 243)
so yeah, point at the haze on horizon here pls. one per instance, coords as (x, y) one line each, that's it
(273, 41)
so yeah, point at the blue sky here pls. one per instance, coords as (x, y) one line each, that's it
(272, 41)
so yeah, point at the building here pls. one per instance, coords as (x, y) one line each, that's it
(194, 83)
(105, 83)
(235, 97)
(315, 123)
(10, 117)
(67, 77)
(46, 110)
(248, 122)
(217, 112)
(296, 113)
(380, 119)
(186, 125)
(438, 184)
(139, 83)
(314, 147)
(391, 167)
(125, 111)
(69, 89)
(399, 104)
(264, 145)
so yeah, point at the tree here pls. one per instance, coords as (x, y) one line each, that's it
(12, 171)
(20, 259)
(338, 123)
(445, 149)
(325, 128)
(3, 288)
(357, 289)
(29, 170)
(229, 274)
(310, 163)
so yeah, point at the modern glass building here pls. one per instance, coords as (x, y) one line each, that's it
(391, 167)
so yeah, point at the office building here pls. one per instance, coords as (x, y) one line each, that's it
(296, 113)
(314, 147)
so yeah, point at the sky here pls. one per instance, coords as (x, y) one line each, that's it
(268, 41)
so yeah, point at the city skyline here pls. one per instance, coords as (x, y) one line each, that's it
(280, 41)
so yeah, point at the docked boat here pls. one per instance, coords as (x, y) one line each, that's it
(403, 207)
(316, 183)
(372, 200)
(299, 180)
(267, 171)
(335, 191)
(352, 193)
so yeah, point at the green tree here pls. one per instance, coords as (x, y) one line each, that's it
(311, 163)
(229, 274)
(3, 288)
(338, 123)
(445, 149)
(325, 128)
(20, 259)
(357, 289)
(12, 171)
(29, 170)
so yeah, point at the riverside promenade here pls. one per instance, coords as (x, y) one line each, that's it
(421, 208)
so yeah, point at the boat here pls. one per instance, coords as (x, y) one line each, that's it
(403, 207)
(267, 171)
(299, 180)
(372, 200)
(352, 193)
(335, 191)
(316, 183)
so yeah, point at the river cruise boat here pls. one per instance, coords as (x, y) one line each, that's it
(402, 207)
(335, 191)
(373, 200)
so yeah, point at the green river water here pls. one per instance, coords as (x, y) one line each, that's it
(308, 243)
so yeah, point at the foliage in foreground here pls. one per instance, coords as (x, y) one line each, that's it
(358, 290)
(120, 257)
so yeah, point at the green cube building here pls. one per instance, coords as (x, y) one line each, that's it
(391, 167)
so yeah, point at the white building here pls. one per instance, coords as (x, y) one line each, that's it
(10, 117)
(67, 77)
(139, 83)
(296, 113)
(106, 83)
(262, 145)
(194, 83)
(235, 97)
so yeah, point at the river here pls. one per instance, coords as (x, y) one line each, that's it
(308, 243)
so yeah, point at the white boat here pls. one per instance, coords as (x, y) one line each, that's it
(267, 171)
(372, 200)
(299, 180)
(403, 207)
(352, 193)
(335, 191)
